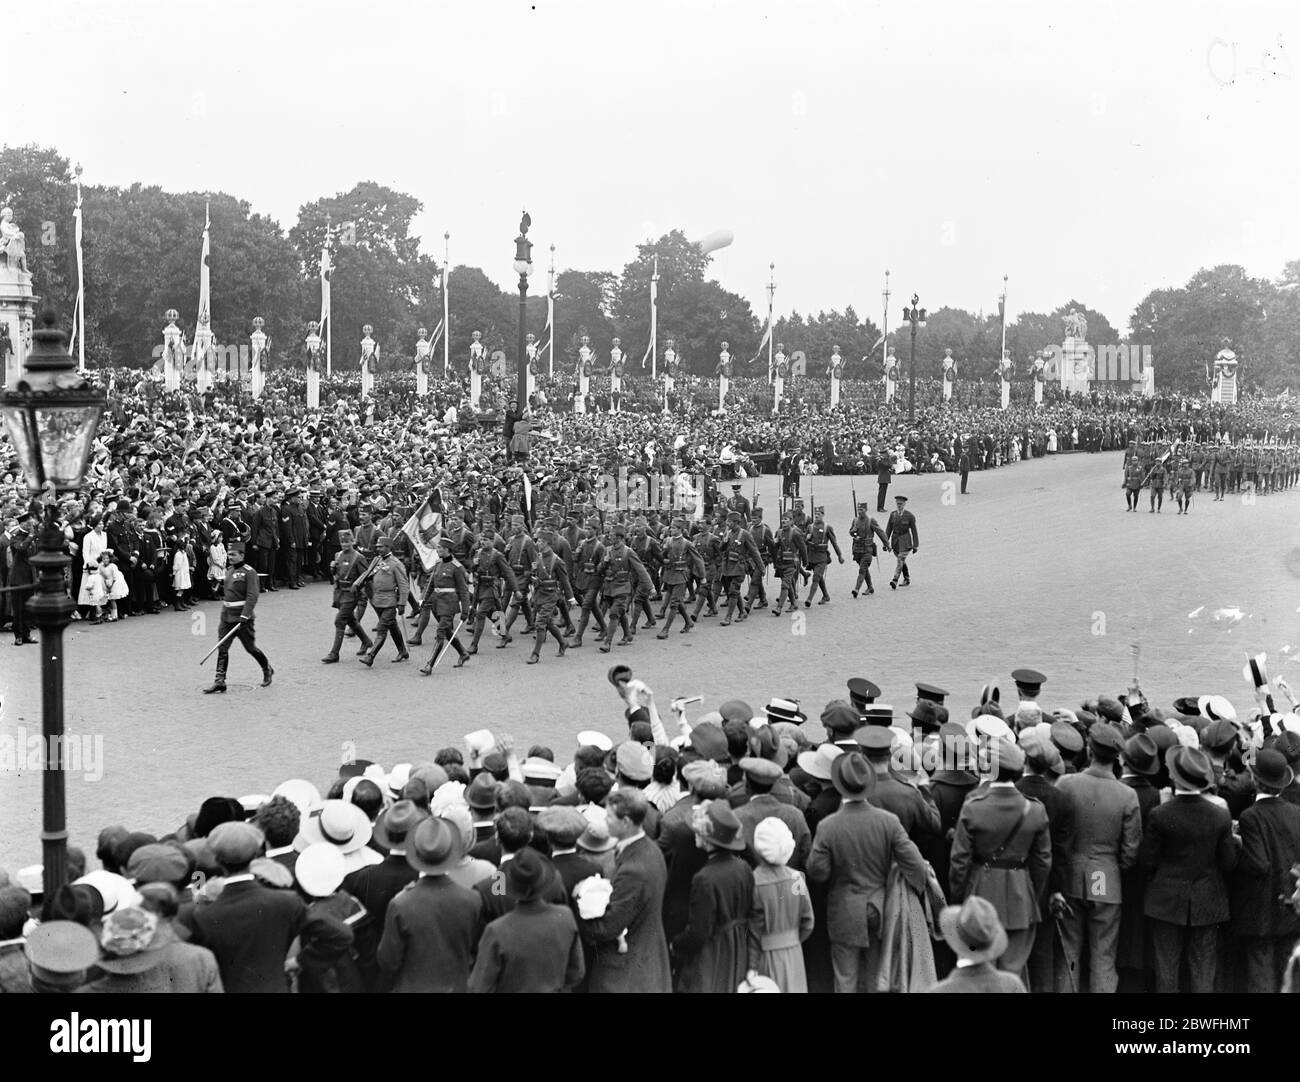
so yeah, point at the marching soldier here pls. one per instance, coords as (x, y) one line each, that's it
(1221, 467)
(521, 552)
(1184, 482)
(491, 571)
(239, 599)
(709, 546)
(616, 572)
(347, 571)
(650, 553)
(551, 588)
(388, 586)
(740, 559)
(864, 548)
(586, 563)
(1157, 479)
(820, 539)
(901, 531)
(1133, 474)
(757, 583)
(447, 596)
(789, 556)
(681, 561)
(737, 502)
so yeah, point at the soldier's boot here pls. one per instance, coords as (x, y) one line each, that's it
(688, 621)
(628, 629)
(699, 605)
(219, 680)
(644, 606)
(530, 620)
(479, 623)
(368, 658)
(668, 622)
(402, 653)
(418, 638)
(870, 588)
(826, 594)
(731, 607)
(333, 656)
(555, 632)
(438, 644)
(462, 655)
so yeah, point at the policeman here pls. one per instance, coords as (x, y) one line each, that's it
(616, 573)
(349, 566)
(864, 547)
(681, 562)
(789, 556)
(447, 596)
(586, 562)
(1157, 478)
(820, 539)
(494, 581)
(551, 588)
(239, 599)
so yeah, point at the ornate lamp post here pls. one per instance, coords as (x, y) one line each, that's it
(916, 317)
(523, 267)
(51, 417)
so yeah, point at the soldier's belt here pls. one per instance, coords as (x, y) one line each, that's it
(232, 604)
(445, 590)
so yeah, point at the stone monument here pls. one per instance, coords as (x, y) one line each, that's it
(1077, 357)
(17, 302)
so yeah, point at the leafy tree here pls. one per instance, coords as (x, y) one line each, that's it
(584, 305)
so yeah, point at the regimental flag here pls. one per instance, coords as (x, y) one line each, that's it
(767, 337)
(79, 315)
(436, 337)
(424, 528)
(446, 323)
(326, 270)
(876, 345)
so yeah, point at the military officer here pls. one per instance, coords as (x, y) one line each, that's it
(737, 502)
(901, 531)
(864, 548)
(820, 539)
(709, 546)
(789, 557)
(681, 563)
(491, 573)
(387, 586)
(239, 599)
(586, 582)
(446, 596)
(616, 572)
(348, 567)
(740, 558)
(1183, 483)
(521, 552)
(1134, 472)
(551, 588)
(763, 539)
(650, 553)
(1157, 479)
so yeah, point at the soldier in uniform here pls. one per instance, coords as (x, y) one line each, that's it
(521, 552)
(388, 587)
(616, 572)
(650, 553)
(586, 563)
(737, 502)
(1157, 478)
(348, 567)
(864, 548)
(447, 596)
(740, 559)
(1222, 467)
(901, 531)
(491, 570)
(820, 539)
(789, 557)
(681, 562)
(551, 588)
(1134, 472)
(238, 600)
(757, 598)
(709, 546)
(1184, 482)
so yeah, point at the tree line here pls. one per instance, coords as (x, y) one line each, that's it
(141, 249)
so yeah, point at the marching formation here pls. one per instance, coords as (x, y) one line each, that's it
(1250, 467)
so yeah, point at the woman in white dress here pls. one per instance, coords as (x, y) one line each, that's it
(181, 573)
(91, 593)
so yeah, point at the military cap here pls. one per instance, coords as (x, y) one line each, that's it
(930, 693)
(1029, 680)
(862, 691)
(878, 714)
(875, 739)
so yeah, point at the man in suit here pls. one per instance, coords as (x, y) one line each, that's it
(705, 780)
(293, 537)
(1189, 850)
(376, 885)
(1043, 765)
(1002, 851)
(535, 946)
(978, 939)
(1107, 836)
(884, 474)
(563, 826)
(759, 804)
(432, 926)
(22, 577)
(250, 927)
(913, 805)
(903, 540)
(266, 538)
(852, 853)
(630, 951)
(1141, 762)
(1270, 847)
(514, 833)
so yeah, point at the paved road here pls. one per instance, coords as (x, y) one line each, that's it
(1038, 565)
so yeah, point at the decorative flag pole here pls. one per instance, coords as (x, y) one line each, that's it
(1002, 307)
(654, 295)
(326, 270)
(771, 292)
(446, 318)
(550, 318)
(79, 316)
(1006, 367)
(884, 331)
(203, 328)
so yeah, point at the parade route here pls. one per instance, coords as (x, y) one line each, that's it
(1039, 565)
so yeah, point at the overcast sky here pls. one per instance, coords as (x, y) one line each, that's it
(1095, 150)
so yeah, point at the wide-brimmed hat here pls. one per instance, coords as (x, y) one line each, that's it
(528, 875)
(719, 825)
(1271, 769)
(1190, 768)
(340, 823)
(320, 869)
(394, 825)
(1142, 755)
(132, 940)
(303, 794)
(117, 891)
(785, 710)
(817, 764)
(434, 847)
(973, 930)
(852, 775)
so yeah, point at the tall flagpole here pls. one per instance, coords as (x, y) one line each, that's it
(771, 330)
(654, 319)
(1004, 318)
(884, 345)
(550, 317)
(80, 321)
(327, 306)
(446, 307)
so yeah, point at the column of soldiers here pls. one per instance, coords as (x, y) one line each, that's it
(1254, 467)
(619, 572)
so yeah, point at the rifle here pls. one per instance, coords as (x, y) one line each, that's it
(854, 491)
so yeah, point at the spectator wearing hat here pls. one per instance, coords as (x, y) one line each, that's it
(974, 933)
(15, 904)
(853, 852)
(1043, 766)
(705, 780)
(1002, 851)
(1288, 743)
(250, 927)
(329, 963)
(914, 807)
(470, 870)
(781, 919)
(712, 951)
(1140, 763)
(633, 769)
(1189, 850)
(1267, 927)
(514, 832)
(1107, 836)
(635, 911)
(432, 927)
(563, 826)
(761, 776)
(534, 947)
(1221, 740)
(140, 951)
(60, 953)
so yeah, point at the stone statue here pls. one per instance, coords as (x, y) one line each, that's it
(1076, 326)
(585, 356)
(13, 245)
(723, 367)
(477, 354)
(312, 346)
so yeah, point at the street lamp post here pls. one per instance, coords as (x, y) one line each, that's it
(51, 417)
(523, 267)
(916, 317)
